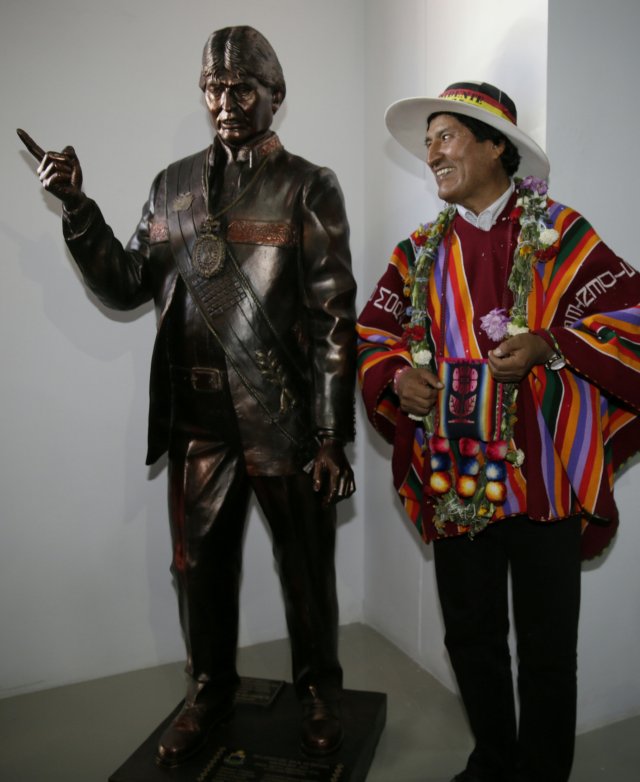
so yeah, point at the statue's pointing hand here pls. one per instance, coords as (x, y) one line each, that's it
(59, 172)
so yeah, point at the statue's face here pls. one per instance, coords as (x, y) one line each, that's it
(241, 107)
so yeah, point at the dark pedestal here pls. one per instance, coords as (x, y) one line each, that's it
(261, 742)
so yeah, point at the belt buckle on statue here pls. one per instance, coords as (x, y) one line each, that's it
(209, 250)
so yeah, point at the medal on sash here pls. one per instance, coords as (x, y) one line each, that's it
(210, 249)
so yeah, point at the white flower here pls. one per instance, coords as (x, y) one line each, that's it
(513, 329)
(516, 457)
(421, 358)
(548, 236)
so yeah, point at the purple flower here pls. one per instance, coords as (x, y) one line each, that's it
(494, 324)
(536, 185)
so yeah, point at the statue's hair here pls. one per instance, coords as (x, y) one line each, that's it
(242, 51)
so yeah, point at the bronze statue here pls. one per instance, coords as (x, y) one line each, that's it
(243, 247)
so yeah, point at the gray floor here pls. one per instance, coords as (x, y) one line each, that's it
(84, 732)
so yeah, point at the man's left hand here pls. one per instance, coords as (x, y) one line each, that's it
(332, 473)
(513, 359)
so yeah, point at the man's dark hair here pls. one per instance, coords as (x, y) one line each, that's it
(242, 51)
(510, 158)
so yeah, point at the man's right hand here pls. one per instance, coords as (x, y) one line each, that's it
(59, 172)
(417, 390)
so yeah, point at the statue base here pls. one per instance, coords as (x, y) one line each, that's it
(261, 741)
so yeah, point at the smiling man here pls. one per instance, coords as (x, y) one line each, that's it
(500, 354)
(244, 249)
(467, 173)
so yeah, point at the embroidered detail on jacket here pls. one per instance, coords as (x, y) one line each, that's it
(272, 370)
(182, 201)
(158, 232)
(269, 146)
(258, 232)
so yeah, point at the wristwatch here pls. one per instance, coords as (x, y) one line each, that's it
(555, 361)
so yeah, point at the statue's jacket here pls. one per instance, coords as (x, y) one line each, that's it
(283, 308)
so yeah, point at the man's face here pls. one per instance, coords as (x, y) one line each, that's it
(241, 108)
(468, 172)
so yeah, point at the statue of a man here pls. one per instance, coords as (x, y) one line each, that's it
(243, 247)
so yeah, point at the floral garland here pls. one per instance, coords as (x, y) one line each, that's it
(472, 500)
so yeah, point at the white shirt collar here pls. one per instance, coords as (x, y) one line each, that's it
(487, 218)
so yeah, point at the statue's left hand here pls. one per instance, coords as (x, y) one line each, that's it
(332, 473)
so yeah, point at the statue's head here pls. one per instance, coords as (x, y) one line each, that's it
(243, 83)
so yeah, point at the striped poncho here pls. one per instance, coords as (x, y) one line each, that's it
(576, 426)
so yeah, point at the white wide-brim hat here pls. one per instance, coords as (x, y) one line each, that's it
(407, 121)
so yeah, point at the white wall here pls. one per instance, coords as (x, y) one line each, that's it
(85, 588)
(595, 167)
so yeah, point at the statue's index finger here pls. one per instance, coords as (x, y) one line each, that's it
(31, 145)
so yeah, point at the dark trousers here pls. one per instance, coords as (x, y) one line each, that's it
(209, 489)
(472, 577)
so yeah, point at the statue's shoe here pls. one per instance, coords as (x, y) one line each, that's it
(188, 731)
(321, 725)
